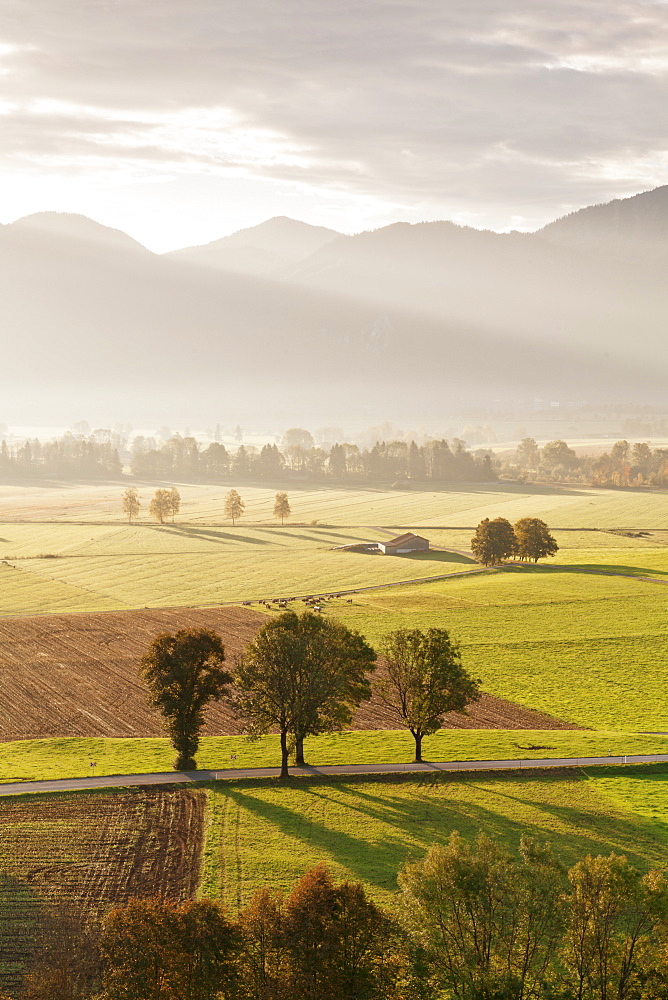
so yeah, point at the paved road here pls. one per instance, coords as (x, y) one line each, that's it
(190, 777)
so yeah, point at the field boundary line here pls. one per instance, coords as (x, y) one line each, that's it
(323, 771)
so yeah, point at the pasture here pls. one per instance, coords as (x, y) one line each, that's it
(588, 649)
(94, 850)
(424, 505)
(367, 828)
(99, 567)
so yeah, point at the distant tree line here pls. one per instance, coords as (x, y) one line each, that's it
(69, 457)
(623, 465)
(102, 454)
(388, 461)
(472, 921)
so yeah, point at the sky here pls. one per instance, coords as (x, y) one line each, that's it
(181, 121)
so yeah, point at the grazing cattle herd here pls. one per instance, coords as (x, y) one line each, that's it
(311, 601)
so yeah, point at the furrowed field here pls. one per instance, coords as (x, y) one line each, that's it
(92, 851)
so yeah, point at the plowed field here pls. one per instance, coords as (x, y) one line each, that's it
(93, 850)
(76, 675)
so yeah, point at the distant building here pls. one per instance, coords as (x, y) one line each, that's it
(403, 544)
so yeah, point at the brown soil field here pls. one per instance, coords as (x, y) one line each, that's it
(91, 851)
(76, 675)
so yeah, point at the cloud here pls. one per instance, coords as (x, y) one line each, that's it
(481, 109)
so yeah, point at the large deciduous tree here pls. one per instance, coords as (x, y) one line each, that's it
(234, 505)
(424, 680)
(324, 942)
(302, 675)
(614, 939)
(131, 504)
(281, 506)
(534, 540)
(493, 541)
(490, 923)
(184, 672)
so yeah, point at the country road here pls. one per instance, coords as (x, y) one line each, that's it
(331, 770)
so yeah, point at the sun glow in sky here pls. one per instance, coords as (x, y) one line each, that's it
(183, 121)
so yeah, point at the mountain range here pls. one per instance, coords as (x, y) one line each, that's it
(303, 324)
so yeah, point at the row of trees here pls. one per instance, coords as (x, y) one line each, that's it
(166, 503)
(69, 457)
(473, 921)
(386, 461)
(623, 465)
(528, 540)
(303, 675)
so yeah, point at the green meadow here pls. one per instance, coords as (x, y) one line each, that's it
(368, 828)
(72, 757)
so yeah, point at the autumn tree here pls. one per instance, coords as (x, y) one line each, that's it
(66, 961)
(490, 923)
(131, 504)
(615, 925)
(234, 505)
(154, 949)
(493, 541)
(425, 679)
(281, 506)
(160, 506)
(184, 672)
(324, 942)
(534, 540)
(174, 501)
(302, 675)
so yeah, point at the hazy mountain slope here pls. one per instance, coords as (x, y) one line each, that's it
(266, 249)
(407, 321)
(639, 223)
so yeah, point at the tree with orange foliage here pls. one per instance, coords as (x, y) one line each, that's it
(154, 949)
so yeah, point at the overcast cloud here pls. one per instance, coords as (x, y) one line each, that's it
(498, 113)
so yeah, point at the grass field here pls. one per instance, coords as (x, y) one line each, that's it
(96, 849)
(589, 649)
(103, 567)
(424, 504)
(71, 757)
(368, 828)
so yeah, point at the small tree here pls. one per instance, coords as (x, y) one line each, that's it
(493, 541)
(534, 540)
(425, 679)
(174, 501)
(160, 506)
(184, 672)
(234, 505)
(302, 675)
(131, 504)
(281, 506)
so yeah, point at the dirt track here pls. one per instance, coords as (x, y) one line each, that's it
(76, 675)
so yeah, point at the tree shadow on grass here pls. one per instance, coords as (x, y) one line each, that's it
(598, 569)
(411, 825)
(205, 534)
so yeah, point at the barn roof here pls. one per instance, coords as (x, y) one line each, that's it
(402, 539)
